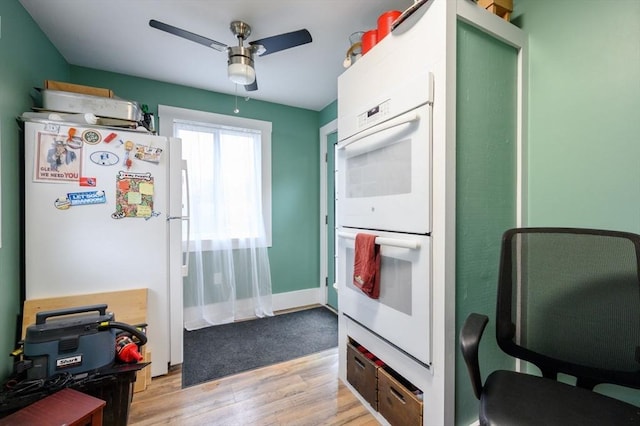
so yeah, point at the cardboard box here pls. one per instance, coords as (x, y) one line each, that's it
(143, 377)
(77, 88)
(502, 8)
(362, 373)
(397, 401)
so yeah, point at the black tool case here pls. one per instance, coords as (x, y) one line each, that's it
(74, 340)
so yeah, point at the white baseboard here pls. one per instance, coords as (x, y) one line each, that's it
(296, 299)
(244, 307)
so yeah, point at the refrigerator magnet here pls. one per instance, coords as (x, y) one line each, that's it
(87, 181)
(73, 141)
(104, 158)
(92, 137)
(128, 146)
(153, 214)
(62, 203)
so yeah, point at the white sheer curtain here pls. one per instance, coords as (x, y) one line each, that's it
(229, 274)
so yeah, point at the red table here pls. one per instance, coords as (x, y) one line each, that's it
(67, 407)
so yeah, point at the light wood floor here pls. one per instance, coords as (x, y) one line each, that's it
(304, 391)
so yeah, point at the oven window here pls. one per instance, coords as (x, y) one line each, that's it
(395, 281)
(382, 171)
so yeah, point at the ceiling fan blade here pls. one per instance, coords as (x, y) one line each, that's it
(282, 41)
(252, 87)
(188, 35)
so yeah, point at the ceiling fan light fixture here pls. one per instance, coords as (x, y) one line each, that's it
(240, 66)
(241, 74)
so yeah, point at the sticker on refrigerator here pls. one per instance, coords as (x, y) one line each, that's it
(87, 197)
(148, 153)
(134, 195)
(56, 160)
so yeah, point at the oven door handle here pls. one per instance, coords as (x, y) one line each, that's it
(394, 122)
(384, 241)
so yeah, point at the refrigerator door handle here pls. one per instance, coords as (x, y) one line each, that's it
(186, 217)
(184, 267)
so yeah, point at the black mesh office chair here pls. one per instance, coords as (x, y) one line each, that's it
(568, 302)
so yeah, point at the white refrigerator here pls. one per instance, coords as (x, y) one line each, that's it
(104, 212)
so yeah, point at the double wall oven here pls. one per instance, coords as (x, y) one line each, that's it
(383, 187)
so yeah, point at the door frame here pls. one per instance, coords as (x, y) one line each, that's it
(325, 131)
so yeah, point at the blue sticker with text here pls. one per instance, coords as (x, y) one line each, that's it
(88, 197)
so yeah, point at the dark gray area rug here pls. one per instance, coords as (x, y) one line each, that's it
(222, 350)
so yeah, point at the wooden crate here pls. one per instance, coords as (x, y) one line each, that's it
(397, 401)
(78, 88)
(362, 373)
(502, 8)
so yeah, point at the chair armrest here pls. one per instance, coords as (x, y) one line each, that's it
(470, 336)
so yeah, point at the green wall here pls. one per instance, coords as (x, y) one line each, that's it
(27, 58)
(294, 256)
(329, 113)
(485, 190)
(584, 112)
(583, 156)
(584, 124)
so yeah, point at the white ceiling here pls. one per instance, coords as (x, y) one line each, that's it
(114, 35)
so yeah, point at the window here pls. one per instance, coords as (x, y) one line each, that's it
(229, 163)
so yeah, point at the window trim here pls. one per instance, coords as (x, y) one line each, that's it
(168, 114)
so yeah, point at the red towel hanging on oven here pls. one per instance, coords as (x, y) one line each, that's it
(366, 265)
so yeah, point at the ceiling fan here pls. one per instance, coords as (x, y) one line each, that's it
(240, 66)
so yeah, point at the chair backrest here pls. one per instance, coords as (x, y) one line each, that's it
(569, 302)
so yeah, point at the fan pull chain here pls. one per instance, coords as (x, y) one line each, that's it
(236, 110)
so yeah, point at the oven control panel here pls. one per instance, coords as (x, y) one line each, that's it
(374, 115)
